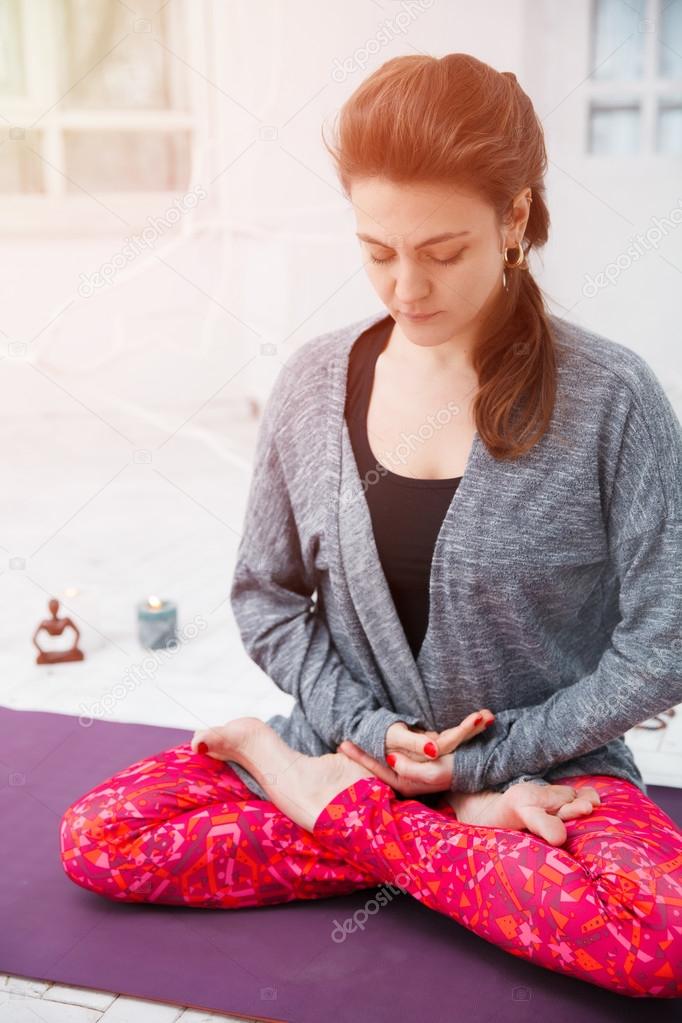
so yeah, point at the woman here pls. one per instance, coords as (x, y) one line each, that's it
(489, 615)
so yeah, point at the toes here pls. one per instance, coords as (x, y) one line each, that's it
(553, 797)
(199, 742)
(548, 826)
(576, 808)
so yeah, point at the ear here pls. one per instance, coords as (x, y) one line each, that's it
(514, 224)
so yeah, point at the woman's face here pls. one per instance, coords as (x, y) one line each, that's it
(433, 249)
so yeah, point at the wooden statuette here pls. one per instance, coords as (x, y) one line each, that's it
(55, 626)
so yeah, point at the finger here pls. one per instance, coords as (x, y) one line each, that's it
(420, 744)
(472, 725)
(409, 770)
(383, 771)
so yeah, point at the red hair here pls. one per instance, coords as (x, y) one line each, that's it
(455, 119)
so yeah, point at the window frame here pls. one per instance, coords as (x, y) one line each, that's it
(648, 90)
(56, 210)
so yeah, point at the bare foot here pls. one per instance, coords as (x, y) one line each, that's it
(299, 785)
(487, 809)
(540, 809)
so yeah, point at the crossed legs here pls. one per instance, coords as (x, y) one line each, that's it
(181, 827)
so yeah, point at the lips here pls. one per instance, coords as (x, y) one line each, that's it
(419, 316)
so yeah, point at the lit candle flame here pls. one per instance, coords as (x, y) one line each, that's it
(154, 602)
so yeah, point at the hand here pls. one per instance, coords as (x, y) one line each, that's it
(530, 806)
(407, 741)
(413, 772)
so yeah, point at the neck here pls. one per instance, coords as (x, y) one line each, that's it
(451, 355)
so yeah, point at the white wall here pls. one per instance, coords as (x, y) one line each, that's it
(270, 255)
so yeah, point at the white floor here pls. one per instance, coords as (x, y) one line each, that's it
(85, 516)
(32, 1001)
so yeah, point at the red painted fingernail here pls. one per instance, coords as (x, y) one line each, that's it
(390, 759)
(478, 719)
(202, 748)
(491, 722)
(430, 750)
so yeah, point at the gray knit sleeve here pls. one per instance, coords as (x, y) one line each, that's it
(640, 672)
(536, 778)
(280, 626)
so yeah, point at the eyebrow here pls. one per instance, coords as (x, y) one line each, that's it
(429, 241)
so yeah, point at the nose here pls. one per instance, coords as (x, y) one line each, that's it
(412, 285)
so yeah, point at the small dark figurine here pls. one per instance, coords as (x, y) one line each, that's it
(54, 626)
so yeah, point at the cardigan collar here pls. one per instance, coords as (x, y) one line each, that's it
(360, 584)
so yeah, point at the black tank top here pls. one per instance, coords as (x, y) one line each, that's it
(406, 513)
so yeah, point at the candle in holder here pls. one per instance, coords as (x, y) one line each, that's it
(156, 621)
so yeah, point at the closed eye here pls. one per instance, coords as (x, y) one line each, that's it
(441, 262)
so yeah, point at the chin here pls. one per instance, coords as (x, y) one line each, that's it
(426, 333)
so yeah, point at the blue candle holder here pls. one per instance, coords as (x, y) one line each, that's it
(156, 623)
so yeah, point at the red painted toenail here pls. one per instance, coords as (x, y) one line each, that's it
(430, 750)
(202, 747)
(390, 759)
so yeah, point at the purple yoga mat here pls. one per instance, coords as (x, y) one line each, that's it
(272, 963)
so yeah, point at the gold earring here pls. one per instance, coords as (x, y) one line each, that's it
(518, 263)
(520, 258)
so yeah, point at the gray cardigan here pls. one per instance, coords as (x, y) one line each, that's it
(556, 579)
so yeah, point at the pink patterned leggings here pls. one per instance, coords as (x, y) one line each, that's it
(181, 828)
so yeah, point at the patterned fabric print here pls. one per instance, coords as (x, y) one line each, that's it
(605, 907)
(181, 828)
